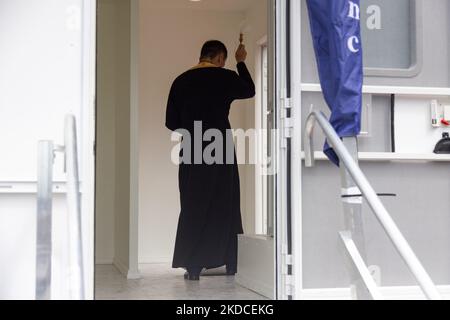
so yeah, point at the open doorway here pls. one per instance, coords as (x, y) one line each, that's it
(167, 37)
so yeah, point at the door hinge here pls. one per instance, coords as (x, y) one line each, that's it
(286, 103)
(287, 262)
(289, 282)
(286, 272)
(289, 285)
(286, 120)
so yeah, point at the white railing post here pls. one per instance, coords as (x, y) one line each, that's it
(44, 220)
(352, 202)
(46, 153)
(74, 208)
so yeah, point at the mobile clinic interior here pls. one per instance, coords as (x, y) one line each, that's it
(79, 76)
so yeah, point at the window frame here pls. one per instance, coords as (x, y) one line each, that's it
(417, 54)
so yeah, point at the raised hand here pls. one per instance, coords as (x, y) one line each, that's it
(241, 54)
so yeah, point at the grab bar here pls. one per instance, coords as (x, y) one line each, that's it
(74, 208)
(46, 154)
(372, 198)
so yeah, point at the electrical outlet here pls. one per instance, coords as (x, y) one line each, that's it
(436, 114)
(447, 113)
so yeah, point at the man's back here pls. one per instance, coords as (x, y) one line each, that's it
(205, 94)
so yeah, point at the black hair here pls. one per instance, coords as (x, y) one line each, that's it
(212, 49)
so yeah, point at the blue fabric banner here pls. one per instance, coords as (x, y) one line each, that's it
(336, 34)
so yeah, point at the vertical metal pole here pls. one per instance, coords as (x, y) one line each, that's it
(44, 220)
(297, 171)
(74, 208)
(271, 120)
(272, 192)
(282, 232)
(352, 202)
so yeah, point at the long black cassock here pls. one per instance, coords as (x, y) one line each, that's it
(210, 218)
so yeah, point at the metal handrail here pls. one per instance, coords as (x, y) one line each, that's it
(74, 208)
(47, 150)
(371, 197)
(44, 220)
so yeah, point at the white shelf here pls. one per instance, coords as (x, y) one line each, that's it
(405, 91)
(385, 156)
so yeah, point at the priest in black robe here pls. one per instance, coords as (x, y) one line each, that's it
(210, 219)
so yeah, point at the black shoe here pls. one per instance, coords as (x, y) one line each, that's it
(193, 274)
(231, 271)
(191, 277)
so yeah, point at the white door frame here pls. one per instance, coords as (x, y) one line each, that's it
(260, 183)
(133, 268)
(283, 278)
(88, 132)
(296, 154)
(289, 264)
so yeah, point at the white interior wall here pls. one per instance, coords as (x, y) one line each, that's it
(122, 135)
(162, 60)
(113, 134)
(255, 29)
(106, 145)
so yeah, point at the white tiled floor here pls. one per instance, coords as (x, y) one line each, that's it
(160, 282)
